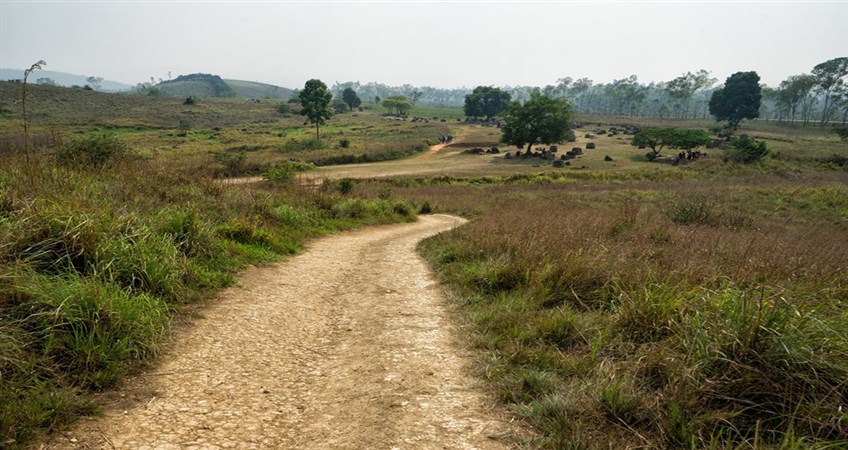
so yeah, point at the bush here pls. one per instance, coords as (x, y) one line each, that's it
(190, 100)
(295, 145)
(283, 173)
(346, 186)
(95, 152)
(691, 210)
(344, 143)
(284, 108)
(231, 161)
(746, 150)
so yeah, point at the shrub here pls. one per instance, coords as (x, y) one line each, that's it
(232, 162)
(284, 172)
(346, 186)
(691, 210)
(746, 150)
(95, 152)
(344, 143)
(190, 100)
(295, 145)
(284, 108)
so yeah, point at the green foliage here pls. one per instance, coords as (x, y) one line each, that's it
(339, 106)
(397, 103)
(540, 120)
(346, 186)
(344, 143)
(746, 150)
(190, 100)
(284, 108)
(350, 98)
(486, 101)
(830, 77)
(315, 101)
(284, 172)
(842, 132)
(739, 99)
(658, 138)
(219, 87)
(232, 162)
(305, 144)
(96, 152)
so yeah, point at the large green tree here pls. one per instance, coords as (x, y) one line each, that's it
(315, 100)
(486, 101)
(540, 120)
(398, 103)
(831, 76)
(349, 96)
(739, 99)
(680, 138)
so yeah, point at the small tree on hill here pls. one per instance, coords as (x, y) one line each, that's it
(486, 101)
(349, 96)
(739, 99)
(653, 138)
(540, 120)
(315, 100)
(94, 82)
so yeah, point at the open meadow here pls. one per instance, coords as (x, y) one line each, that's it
(612, 302)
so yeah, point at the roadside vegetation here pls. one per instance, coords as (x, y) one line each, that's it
(104, 241)
(687, 313)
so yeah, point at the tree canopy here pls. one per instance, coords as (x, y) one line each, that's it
(540, 120)
(315, 100)
(398, 103)
(739, 99)
(658, 138)
(349, 96)
(830, 76)
(486, 101)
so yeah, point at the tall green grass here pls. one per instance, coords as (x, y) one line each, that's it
(96, 259)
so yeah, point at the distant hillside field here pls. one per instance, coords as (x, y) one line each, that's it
(62, 79)
(206, 85)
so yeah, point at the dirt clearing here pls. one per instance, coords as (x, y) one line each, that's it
(348, 345)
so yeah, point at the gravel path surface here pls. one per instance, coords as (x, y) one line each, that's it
(346, 346)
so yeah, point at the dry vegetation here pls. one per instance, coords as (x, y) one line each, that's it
(683, 314)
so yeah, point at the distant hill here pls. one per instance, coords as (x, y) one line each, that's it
(62, 79)
(206, 85)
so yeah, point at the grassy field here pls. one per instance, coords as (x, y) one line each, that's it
(169, 131)
(614, 304)
(698, 312)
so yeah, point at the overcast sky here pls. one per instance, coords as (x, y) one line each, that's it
(442, 44)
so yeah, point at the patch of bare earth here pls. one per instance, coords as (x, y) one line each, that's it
(348, 345)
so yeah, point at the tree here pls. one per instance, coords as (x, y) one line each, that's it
(658, 138)
(654, 138)
(739, 99)
(540, 120)
(486, 101)
(794, 92)
(398, 103)
(349, 96)
(830, 76)
(315, 100)
(94, 82)
(339, 106)
(414, 96)
(684, 87)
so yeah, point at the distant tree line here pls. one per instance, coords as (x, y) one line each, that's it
(820, 96)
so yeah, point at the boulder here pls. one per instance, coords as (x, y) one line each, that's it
(590, 145)
(554, 149)
(559, 163)
(607, 158)
(494, 150)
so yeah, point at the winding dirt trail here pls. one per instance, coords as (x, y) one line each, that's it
(346, 346)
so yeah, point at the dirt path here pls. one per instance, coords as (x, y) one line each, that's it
(348, 345)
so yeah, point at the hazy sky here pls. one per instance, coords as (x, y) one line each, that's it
(442, 44)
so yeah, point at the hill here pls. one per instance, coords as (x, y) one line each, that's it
(206, 85)
(62, 79)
